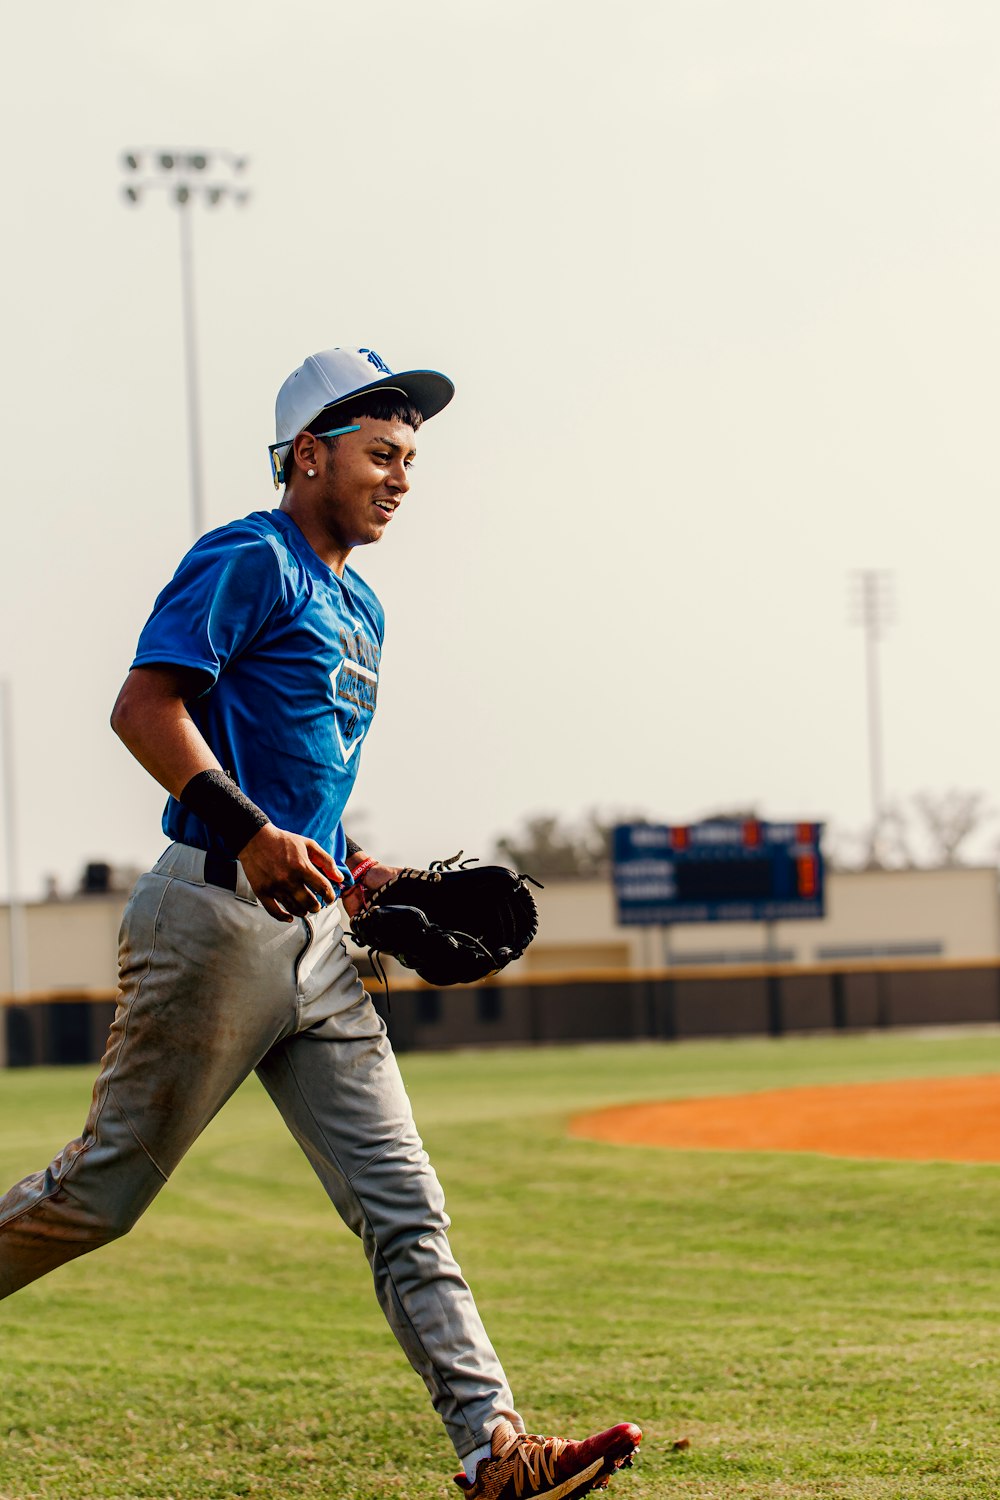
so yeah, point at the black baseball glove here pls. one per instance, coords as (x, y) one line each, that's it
(451, 925)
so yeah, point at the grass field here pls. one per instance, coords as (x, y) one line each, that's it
(814, 1326)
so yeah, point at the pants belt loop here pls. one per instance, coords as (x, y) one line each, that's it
(244, 890)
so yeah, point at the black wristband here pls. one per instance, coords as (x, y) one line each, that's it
(352, 847)
(216, 799)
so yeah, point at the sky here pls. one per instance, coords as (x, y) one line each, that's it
(717, 283)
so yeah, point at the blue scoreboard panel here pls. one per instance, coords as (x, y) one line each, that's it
(729, 870)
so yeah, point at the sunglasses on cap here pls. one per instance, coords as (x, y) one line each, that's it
(277, 466)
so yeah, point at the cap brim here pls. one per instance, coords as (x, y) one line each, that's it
(429, 390)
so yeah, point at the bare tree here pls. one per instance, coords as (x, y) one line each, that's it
(552, 848)
(948, 820)
(888, 844)
(928, 831)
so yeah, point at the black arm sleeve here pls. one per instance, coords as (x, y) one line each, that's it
(216, 799)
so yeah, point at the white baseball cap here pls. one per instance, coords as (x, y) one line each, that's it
(330, 377)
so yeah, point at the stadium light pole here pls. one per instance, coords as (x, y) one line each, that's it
(215, 176)
(872, 609)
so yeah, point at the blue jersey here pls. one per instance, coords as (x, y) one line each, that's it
(286, 656)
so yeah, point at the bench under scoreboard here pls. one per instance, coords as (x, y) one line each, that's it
(722, 870)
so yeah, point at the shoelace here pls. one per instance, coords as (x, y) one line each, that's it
(535, 1459)
(378, 969)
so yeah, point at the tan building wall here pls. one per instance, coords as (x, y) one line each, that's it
(870, 914)
(73, 944)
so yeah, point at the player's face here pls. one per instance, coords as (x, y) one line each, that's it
(363, 480)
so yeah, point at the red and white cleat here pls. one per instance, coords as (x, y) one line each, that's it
(523, 1467)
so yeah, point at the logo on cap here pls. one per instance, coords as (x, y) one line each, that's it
(376, 360)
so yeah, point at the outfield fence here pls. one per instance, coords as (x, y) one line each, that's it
(71, 1026)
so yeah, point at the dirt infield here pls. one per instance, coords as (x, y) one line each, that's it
(925, 1119)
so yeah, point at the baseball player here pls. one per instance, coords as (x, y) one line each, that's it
(249, 700)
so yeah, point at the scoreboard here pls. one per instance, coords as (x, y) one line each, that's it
(722, 870)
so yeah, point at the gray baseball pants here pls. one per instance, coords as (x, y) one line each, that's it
(212, 987)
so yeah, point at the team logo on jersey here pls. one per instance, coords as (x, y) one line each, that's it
(376, 360)
(355, 690)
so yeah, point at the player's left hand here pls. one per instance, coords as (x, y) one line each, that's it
(353, 899)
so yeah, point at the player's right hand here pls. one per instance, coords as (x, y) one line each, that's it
(288, 874)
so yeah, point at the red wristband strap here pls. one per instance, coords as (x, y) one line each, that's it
(362, 869)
